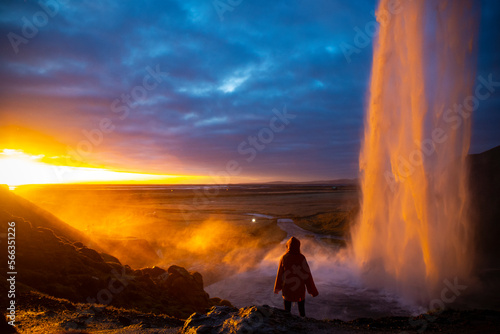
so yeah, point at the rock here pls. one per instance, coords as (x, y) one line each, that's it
(198, 279)
(220, 302)
(128, 270)
(254, 319)
(187, 288)
(110, 258)
(154, 272)
(178, 271)
(73, 324)
(225, 302)
(146, 280)
(209, 323)
(90, 253)
(78, 244)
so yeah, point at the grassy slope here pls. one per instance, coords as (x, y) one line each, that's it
(51, 259)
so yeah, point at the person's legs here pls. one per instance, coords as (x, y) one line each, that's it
(302, 308)
(288, 305)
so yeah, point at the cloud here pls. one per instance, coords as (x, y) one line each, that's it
(224, 79)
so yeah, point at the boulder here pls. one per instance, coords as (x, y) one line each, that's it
(187, 288)
(153, 272)
(78, 244)
(198, 279)
(220, 302)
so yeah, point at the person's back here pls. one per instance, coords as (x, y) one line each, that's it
(294, 276)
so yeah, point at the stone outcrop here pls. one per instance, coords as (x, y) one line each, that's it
(253, 319)
(269, 320)
(187, 287)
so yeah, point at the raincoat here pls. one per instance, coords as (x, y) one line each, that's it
(294, 275)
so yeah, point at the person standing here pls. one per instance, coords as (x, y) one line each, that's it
(293, 277)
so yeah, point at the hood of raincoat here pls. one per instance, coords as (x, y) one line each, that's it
(293, 245)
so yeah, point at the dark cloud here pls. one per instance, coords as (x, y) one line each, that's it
(224, 79)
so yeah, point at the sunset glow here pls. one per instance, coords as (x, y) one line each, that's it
(18, 168)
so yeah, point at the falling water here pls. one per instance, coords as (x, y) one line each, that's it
(413, 233)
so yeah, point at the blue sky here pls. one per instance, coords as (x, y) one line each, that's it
(182, 87)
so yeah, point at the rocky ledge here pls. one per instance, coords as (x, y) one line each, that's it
(266, 320)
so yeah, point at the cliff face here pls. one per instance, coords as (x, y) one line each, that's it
(51, 258)
(484, 186)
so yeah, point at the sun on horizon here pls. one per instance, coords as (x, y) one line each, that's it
(19, 168)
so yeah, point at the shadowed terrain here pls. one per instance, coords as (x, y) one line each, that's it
(51, 260)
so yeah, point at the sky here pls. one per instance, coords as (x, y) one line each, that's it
(254, 90)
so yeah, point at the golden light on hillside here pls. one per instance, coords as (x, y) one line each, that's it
(18, 168)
